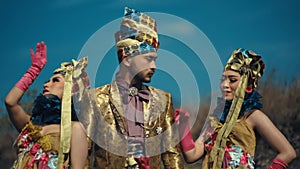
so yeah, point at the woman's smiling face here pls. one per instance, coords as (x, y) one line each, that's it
(229, 83)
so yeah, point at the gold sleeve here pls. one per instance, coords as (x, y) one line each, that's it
(172, 157)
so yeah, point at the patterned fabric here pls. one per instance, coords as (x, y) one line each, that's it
(240, 145)
(234, 156)
(141, 18)
(137, 34)
(36, 151)
(136, 49)
(136, 156)
(137, 25)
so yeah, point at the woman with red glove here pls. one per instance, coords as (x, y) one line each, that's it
(41, 142)
(228, 140)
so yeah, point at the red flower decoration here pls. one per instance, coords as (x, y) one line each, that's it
(35, 148)
(244, 159)
(44, 161)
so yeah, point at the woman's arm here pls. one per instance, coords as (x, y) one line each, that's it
(272, 135)
(196, 153)
(79, 146)
(16, 113)
(192, 151)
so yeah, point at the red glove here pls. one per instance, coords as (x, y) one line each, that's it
(278, 164)
(182, 120)
(38, 61)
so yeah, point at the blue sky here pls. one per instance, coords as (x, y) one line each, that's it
(270, 28)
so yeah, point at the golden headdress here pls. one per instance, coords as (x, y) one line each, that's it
(246, 62)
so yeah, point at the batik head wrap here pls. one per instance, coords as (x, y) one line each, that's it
(137, 34)
(76, 79)
(248, 63)
(251, 68)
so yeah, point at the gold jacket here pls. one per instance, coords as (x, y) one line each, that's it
(108, 130)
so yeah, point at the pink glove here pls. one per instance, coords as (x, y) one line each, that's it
(278, 164)
(182, 120)
(38, 61)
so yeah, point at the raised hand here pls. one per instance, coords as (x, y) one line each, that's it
(38, 61)
(182, 120)
(181, 116)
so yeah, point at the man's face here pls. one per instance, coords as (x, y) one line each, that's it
(142, 67)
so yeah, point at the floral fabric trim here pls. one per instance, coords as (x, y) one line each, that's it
(234, 156)
(36, 148)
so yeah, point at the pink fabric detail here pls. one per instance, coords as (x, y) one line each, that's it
(187, 143)
(182, 120)
(244, 158)
(27, 79)
(35, 148)
(38, 61)
(44, 161)
(278, 164)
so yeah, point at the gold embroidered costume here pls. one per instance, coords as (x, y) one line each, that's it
(161, 146)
